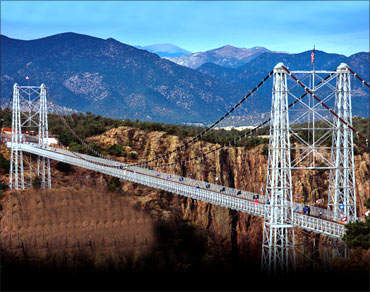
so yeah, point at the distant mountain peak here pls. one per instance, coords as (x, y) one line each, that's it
(227, 56)
(113, 79)
(227, 46)
(165, 50)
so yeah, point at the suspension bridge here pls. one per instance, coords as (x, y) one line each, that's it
(281, 215)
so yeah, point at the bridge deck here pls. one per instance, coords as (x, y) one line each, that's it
(186, 187)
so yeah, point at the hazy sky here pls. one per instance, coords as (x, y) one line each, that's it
(292, 26)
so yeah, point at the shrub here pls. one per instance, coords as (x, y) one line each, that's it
(265, 150)
(113, 184)
(76, 147)
(64, 167)
(133, 155)
(3, 186)
(4, 163)
(36, 183)
(367, 203)
(95, 147)
(358, 233)
(116, 149)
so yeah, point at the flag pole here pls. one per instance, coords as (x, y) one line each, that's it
(313, 67)
(314, 58)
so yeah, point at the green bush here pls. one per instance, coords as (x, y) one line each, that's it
(116, 150)
(358, 233)
(94, 146)
(76, 147)
(252, 142)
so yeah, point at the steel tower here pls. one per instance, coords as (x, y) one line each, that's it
(278, 254)
(29, 111)
(342, 193)
(16, 173)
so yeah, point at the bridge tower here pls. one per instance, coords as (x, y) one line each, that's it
(16, 173)
(342, 194)
(29, 111)
(308, 127)
(278, 254)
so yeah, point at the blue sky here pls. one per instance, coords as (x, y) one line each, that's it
(291, 26)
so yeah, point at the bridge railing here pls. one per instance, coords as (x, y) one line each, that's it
(150, 178)
(315, 211)
(318, 225)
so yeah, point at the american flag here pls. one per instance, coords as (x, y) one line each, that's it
(313, 55)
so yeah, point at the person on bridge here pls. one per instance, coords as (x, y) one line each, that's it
(308, 210)
(304, 210)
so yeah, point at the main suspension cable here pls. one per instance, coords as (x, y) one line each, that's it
(75, 134)
(244, 134)
(162, 156)
(358, 77)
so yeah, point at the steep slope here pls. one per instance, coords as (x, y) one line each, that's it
(227, 56)
(114, 79)
(100, 229)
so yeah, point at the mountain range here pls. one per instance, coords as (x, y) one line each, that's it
(254, 71)
(227, 56)
(113, 79)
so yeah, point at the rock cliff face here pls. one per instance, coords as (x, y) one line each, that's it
(234, 232)
(228, 237)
